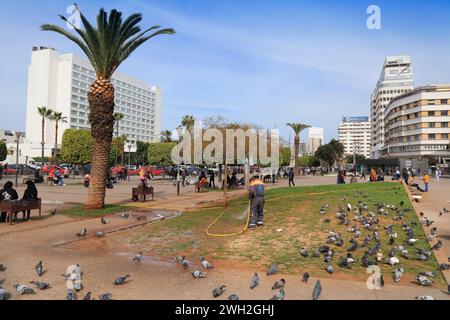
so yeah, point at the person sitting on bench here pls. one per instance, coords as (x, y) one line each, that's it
(38, 178)
(30, 193)
(8, 193)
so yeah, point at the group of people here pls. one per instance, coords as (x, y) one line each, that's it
(408, 178)
(8, 193)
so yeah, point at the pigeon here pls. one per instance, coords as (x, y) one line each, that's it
(305, 277)
(185, 262)
(99, 234)
(125, 215)
(304, 253)
(391, 241)
(198, 274)
(121, 280)
(255, 281)
(87, 296)
(22, 290)
(398, 274)
(280, 295)
(411, 241)
(233, 297)
(39, 269)
(105, 296)
(40, 285)
(330, 269)
(103, 221)
(279, 284)
(71, 295)
(217, 292)
(316, 254)
(82, 233)
(429, 274)
(138, 257)
(272, 270)
(402, 203)
(424, 281)
(206, 264)
(317, 290)
(353, 247)
(392, 261)
(444, 266)
(2, 267)
(3, 295)
(425, 298)
(437, 246)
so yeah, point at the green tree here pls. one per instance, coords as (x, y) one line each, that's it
(285, 156)
(142, 152)
(298, 129)
(106, 46)
(161, 153)
(117, 118)
(117, 148)
(3, 151)
(309, 161)
(359, 157)
(77, 146)
(188, 122)
(166, 136)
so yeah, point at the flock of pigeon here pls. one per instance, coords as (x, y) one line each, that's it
(358, 219)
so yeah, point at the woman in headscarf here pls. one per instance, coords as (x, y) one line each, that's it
(30, 193)
(8, 193)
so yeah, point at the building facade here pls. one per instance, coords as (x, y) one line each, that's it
(417, 124)
(396, 78)
(61, 82)
(315, 140)
(355, 135)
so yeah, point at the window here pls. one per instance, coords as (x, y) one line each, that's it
(431, 113)
(444, 136)
(444, 124)
(431, 136)
(444, 113)
(432, 125)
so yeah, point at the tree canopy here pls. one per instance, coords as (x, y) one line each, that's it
(161, 153)
(3, 151)
(77, 146)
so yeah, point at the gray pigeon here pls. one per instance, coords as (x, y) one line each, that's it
(398, 274)
(304, 253)
(22, 290)
(273, 270)
(330, 269)
(71, 295)
(424, 281)
(82, 233)
(99, 234)
(185, 262)
(217, 292)
(429, 274)
(40, 285)
(3, 295)
(279, 284)
(233, 297)
(444, 266)
(206, 264)
(87, 296)
(39, 269)
(103, 221)
(305, 277)
(437, 246)
(121, 280)
(105, 296)
(317, 290)
(198, 274)
(138, 257)
(425, 298)
(255, 281)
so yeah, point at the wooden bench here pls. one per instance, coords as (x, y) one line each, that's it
(15, 206)
(142, 194)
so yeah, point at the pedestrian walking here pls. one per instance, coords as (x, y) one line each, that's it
(291, 176)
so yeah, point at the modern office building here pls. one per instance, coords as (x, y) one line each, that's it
(61, 82)
(315, 140)
(417, 124)
(396, 79)
(355, 135)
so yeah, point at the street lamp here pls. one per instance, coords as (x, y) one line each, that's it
(18, 136)
(129, 160)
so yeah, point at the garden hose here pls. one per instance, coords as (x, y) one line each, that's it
(230, 234)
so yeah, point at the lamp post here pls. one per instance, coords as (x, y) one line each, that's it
(18, 136)
(129, 161)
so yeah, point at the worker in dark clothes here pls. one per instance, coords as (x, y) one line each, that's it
(256, 192)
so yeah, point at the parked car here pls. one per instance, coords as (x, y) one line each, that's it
(47, 169)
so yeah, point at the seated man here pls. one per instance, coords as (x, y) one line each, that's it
(8, 193)
(58, 180)
(203, 183)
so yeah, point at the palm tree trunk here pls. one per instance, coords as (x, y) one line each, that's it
(101, 101)
(56, 141)
(42, 145)
(297, 152)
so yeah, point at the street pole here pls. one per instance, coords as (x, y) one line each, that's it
(129, 161)
(18, 135)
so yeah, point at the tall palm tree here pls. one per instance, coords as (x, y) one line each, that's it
(298, 129)
(45, 114)
(188, 122)
(106, 46)
(117, 118)
(57, 117)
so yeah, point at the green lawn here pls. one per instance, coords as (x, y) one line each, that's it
(80, 211)
(296, 212)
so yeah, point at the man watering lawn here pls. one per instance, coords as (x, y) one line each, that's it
(256, 197)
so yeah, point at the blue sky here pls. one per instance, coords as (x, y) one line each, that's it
(266, 62)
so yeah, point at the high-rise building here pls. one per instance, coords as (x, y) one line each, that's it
(315, 140)
(61, 82)
(355, 135)
(396, 79)
(418, 124)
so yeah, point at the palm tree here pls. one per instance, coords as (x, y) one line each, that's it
(166, 136)
(57, 117)
(188, 122)
(45, 114)
(106, 46)
(298, 129)
(117, 118)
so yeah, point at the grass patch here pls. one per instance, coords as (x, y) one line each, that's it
(81, 212)
(296, 212)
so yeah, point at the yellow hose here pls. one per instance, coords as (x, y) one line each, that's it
(229, 234)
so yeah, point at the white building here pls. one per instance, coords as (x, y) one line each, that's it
(61, 81)
(315, 140)
(355, 135)
(396, 79)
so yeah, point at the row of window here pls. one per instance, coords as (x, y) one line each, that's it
(418, 137)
